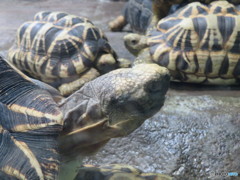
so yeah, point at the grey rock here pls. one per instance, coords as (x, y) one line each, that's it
(193, 136)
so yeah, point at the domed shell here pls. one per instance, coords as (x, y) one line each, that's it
(59, 48)
(199, 43)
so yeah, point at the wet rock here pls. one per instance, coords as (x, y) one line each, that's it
(193, 136)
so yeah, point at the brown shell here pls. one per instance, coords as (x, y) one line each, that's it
(199, 43)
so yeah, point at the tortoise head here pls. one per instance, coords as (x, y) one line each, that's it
(135, 43)
(112, 105)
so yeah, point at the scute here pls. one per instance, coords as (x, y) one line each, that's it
(205, 43)
(58, 48)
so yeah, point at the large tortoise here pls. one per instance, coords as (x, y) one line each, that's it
(198, 43)
(62, 50)
(141, 14)
(38, 134)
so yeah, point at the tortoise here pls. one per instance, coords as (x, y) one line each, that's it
(38, 134)
(198, 43)
(137, 13)
(142, 14)
(117, 172)
(62, 50)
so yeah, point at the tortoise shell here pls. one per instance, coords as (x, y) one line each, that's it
(62, 50)
(28, 129)
(161, 8)
(199, 43)
(138, 14)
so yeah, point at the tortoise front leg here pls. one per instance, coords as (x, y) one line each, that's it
(108, 62)
(117, 24)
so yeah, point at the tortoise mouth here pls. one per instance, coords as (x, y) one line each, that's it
(133, 115)
(87, 140)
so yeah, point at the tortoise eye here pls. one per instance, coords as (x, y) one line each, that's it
(134, 42)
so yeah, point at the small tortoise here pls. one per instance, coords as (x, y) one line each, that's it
(62, 50)
(198, 43)
(34, 128)
(137, 13)
(117, 172)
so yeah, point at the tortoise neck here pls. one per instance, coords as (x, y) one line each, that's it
(143, 57)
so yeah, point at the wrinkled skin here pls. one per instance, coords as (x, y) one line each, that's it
(113, 105)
